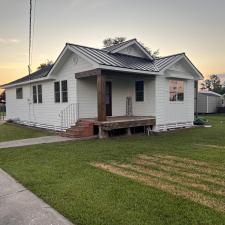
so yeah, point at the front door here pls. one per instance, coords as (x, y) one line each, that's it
(108, 99)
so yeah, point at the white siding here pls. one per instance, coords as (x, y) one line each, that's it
(48, 112)
(173, 112)
(132, 50)
(122, 87)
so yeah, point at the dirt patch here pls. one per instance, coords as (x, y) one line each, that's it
(211, 146)
(173, 178)
(178, 164)
(157, 183)
(181, 171)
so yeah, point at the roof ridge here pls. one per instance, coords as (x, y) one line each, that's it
(83, 46)
(120, 44)
(182, 53)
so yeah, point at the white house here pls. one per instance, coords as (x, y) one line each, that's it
(117, 87)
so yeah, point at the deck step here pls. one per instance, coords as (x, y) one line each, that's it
(81, 129)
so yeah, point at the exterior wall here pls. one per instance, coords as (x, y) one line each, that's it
(208, 104)
(46, 114)
(173, 114)
(132, 50)
(122, 87)
(202, 103)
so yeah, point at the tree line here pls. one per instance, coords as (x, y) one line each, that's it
(214, 83)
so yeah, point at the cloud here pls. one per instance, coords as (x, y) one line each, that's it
(9, 40)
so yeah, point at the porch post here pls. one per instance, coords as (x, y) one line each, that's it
(101, 97)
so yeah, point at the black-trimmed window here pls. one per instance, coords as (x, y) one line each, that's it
(139, 90)
(37, 94)
(19, 93)
(176, 88)
(64, 87)
(39, 89)
(34, 94)
(57, 91)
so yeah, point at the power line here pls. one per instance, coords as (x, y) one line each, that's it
(30, 38)
(33, 26)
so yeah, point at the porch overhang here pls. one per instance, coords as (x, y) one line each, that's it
(109, 72)
(101, 75)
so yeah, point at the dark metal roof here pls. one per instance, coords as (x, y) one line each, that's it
(106, 58)
(34, 76)
(111, 48)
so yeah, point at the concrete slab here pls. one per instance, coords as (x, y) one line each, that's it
(34, 141)
(19, 206)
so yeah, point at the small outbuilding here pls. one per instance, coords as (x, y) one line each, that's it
(208, 102)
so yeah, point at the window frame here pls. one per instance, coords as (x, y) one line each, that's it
(17, 93)
(141, 91)
(39, 94)
(58, 92)
(64, 93)
(34, 92)
(178, 95)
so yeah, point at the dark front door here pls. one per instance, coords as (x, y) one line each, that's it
(108, 99)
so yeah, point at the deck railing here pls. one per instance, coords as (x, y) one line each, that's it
(69, 115)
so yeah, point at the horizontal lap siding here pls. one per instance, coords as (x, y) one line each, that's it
(123, 87)
(173, 112)
(48, 112)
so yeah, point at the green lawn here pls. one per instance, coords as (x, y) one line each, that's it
(63, 176)
(10, 132)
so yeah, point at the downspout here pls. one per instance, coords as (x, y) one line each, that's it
(196, 99)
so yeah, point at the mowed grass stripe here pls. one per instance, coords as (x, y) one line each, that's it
(181, 171)
(176, 179)
(164, 186)
(194, 162)
(173, 163)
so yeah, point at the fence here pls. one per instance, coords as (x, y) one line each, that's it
(2, 111)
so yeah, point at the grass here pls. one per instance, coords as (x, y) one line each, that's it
(66, 176)
(9, 131)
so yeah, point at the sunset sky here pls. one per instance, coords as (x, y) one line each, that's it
(196, 27)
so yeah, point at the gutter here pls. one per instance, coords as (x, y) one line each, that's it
(5, 86)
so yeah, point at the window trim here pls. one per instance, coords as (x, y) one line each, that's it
(39, 93)
(177, 91)
(64, 91)
(140, 91)
(21, 97)
(34, 92)
(58, 92)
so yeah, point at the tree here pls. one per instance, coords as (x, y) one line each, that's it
(108, 42)
(213, 84)
(2, 97)
(47, 63)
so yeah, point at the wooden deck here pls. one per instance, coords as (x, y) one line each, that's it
(119, 122)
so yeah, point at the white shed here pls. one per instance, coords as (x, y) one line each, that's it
(208, 102)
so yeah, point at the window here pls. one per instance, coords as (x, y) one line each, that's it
(139, 89)
(19, 93)
(176, 88)
(34, 94)
(64, 91)
(37, 94)
(57, 91)
(39, 87)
